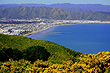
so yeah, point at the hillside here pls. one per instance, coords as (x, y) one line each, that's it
(24, 12)
(61, 60)
(58, 53)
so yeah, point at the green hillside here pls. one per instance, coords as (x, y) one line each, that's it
(69, 60)
(57, 52)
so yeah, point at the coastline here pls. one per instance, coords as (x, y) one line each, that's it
(38, 30)
(74, 36)
(43, 29)
(47, 28)
(25, 29)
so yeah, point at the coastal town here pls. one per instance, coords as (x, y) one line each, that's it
(26, 27)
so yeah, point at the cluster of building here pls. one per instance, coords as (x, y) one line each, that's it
(27, 26)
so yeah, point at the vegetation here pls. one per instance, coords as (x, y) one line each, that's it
(58, 53)
(24, 12)
(38, 56)
(35, 52)
(31, 54)
(5, 54)
(96, 63)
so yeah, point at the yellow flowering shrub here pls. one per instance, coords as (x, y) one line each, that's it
(96, 63)
(15, 66)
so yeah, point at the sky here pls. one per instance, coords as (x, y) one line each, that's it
(103, 2)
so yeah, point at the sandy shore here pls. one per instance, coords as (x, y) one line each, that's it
(43, 29)
(38, 30)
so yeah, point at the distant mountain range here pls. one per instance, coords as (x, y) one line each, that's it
(91, 7)
(67, 6)
(24, 12)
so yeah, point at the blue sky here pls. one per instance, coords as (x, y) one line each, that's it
(104, 2)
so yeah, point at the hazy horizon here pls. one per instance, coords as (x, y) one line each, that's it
(48, 2)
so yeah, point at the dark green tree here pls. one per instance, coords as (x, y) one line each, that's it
(6, 53)
(35, 52)
(17, 54)
(2, 56)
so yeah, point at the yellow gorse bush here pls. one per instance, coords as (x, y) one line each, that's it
(96, 63)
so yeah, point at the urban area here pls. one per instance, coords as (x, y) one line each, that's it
(23, 26)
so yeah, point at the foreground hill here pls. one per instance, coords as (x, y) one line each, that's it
(58, 53)
(24, 12)
(99, 63)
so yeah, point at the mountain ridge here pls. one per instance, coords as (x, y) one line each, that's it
(91, 7)
(24, 12)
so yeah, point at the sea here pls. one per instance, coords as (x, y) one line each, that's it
(86, 38)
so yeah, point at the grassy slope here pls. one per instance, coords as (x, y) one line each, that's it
(58, 52)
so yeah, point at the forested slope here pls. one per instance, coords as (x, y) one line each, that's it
(57, 52)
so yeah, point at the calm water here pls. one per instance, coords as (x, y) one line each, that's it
(86, 38)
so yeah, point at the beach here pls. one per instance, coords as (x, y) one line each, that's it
(43, 29)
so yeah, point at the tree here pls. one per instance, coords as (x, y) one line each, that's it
(35, 52)
(7, 53)
(17, 54)
(2, 56)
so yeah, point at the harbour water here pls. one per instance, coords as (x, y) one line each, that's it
(86, 38)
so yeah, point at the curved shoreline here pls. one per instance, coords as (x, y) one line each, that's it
(43, 29)
(36, 31)
(47, 28)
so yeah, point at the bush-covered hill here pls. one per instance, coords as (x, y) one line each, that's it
(96, 63)
(24, 12)
(57, 52)
(69, 59)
